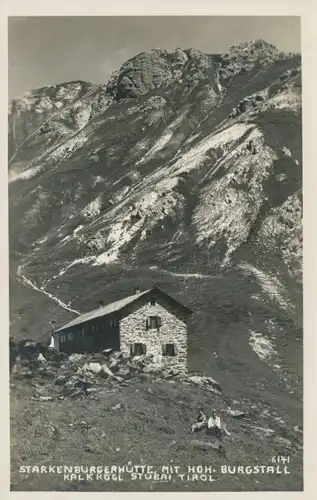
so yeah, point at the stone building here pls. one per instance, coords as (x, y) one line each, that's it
(148, 322)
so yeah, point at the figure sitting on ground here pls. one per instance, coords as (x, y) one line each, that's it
(214, 426)
(201, 421)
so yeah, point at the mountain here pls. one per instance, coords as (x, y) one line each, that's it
(182, 171)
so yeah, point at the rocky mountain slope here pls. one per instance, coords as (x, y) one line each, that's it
(183, 171)
(104, 405)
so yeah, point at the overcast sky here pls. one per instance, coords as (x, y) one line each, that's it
(50, 50)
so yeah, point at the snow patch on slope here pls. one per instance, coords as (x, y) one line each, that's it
(271, 286)
(261, 345)
(84, 260)
(194, 157)
(15, 175)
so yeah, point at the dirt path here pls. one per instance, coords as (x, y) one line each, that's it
(28, 283)
(183, 275)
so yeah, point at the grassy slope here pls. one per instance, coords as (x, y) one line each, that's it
(155, 412)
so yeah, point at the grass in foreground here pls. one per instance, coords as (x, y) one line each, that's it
(151, 427)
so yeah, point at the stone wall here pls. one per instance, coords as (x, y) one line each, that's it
(173, 330)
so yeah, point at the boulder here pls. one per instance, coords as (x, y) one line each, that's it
(153, 368)
(206, 382)
(117, 406)
(114, 365)
(116, 355)
(93, 367)
(123, 371)
(74, 358)
(260, 431)
(61, 380)
(107, 352)
(30, 345)
(172, 372)
(235, 413)
(296, 428)
(77, 382)
(91, 389)
(41, 358)
(106, 371)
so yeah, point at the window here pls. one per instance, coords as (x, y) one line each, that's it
(153, 322)
(153, 301)
(70, 336)
(169, 350)
(110, 322)
(137, 349)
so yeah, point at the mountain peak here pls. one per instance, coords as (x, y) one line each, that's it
(258, 45)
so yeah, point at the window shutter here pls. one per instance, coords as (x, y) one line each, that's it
(175, 350)
(159, 322)
(143, 349)
(164, 349)
(147, 323)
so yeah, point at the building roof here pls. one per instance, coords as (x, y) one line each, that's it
(115, 307)
(104, 310)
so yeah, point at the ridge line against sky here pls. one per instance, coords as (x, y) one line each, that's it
(51, 50)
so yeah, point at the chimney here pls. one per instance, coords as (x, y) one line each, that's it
(101, 303)
(137, 290)
(53, 323)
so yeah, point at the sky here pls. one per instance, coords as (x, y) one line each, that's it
(51, 50)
